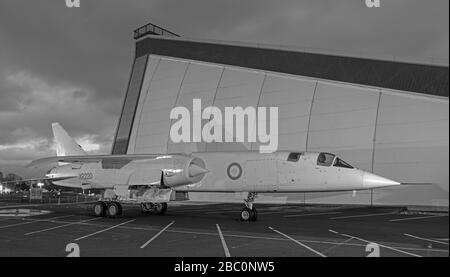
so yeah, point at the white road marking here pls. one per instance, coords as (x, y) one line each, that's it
(437, 250)
(157, 235)
(224, 244)
(104, 230)
(382, 245)
(34, 221)
(415, 218)
(332, 231)
(297, 242)
(431, 240)
(312, 214)
(337, 245)
(61, 226)
(364, 215)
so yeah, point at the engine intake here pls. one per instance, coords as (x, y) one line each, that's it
(185, 172)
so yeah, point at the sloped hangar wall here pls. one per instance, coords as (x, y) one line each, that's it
(398, 135)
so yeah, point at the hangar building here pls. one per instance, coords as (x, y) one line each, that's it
(387, 117)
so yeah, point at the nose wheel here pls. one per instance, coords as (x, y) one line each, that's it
(249, 213)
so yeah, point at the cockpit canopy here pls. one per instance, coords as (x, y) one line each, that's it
(323, 159)
(327, 159)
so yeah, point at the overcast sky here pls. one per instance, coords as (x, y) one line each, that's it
(71, 65)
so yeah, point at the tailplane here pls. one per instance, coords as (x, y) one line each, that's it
(65, 145)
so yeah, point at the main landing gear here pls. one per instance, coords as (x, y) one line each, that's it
(249, 213)
(154, 208)
(108, 209)
(114, 208)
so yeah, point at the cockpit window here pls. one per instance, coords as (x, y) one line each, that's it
(325, 159)
(294, 157)
(341, 163)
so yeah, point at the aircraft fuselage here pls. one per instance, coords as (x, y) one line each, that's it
(226, 172)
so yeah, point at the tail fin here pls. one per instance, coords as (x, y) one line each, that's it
(65, 145)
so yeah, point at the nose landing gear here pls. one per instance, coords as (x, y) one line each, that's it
(249, 213)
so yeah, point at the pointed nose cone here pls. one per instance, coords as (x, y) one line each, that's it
(375, 181)
(195, 170)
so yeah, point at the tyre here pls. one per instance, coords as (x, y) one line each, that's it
(246, 214)
(160, 208)
(100, 208)
(114, 209)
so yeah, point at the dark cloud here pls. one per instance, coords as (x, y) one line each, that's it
(72, 65)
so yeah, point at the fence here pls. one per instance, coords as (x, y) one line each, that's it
(48, 197)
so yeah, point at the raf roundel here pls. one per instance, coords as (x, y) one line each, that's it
(234, 171)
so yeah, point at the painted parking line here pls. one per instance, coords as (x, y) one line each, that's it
(311, 214)
(34, 221)
(337, 245)
(231, 235)
(62, 226)
(382, 245)
(416, 218)
(157, 235)
(224, 244)
(363, 215)
(175, 231)
(425, 239)
(104, 230)
(297, 242)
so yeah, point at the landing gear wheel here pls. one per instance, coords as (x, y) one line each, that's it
(154, 208)
(100, 209)
(160, 208)
(114, 209)
(246, 214)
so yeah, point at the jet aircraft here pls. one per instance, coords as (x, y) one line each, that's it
(150, 180)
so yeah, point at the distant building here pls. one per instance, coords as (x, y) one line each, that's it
(387, 117)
